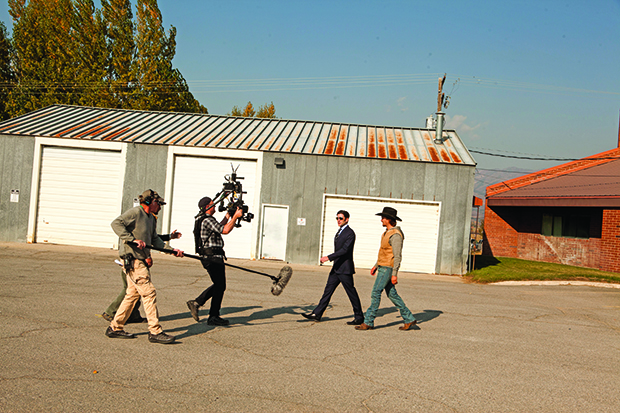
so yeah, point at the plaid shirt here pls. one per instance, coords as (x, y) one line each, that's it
(211, 233)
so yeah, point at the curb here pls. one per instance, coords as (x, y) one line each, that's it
(579, 283)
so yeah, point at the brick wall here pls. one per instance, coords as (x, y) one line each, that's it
(500, 237)
(610, 241)
(506, 236)
(580, 252)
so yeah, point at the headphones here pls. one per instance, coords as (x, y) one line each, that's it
(149, 198)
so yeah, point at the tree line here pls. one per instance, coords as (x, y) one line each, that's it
(70, 52)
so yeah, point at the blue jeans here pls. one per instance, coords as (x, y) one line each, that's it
(384, 281)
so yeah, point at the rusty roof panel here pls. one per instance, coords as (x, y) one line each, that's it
(201, 138)
(391, 144)
(192, 129)
(410, 143)
(362, 141)
(321, 142)
(330, 147)
(187, 136)
(303, 138)
(341, 143)
(351, 141)
(372, 143)
(284, 137)
(315, 135)
(381, 144)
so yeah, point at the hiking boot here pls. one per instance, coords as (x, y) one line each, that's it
(118, 333)
(193, 308)
(217, 321)
(161, 338)
(107, 317)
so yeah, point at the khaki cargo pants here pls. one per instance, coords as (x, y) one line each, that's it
(138, 285)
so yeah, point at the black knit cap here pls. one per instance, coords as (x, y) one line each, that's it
(202, 204)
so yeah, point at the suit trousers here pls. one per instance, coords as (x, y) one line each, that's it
(333, 281)
(217, 272)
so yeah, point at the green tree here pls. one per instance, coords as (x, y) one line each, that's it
(6, 72)
(91, 56)
(121, 46)
(42, 47)
(159, 85)
(265, 111)
(69, 52)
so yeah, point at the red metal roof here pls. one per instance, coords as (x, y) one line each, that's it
(592, 181)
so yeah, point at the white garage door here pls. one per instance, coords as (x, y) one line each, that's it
(420, 225)
(197, 177)
(79, 196)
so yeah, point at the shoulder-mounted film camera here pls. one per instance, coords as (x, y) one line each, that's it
(231, 197)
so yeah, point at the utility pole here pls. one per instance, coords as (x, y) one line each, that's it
(440, 98)
(440, 94)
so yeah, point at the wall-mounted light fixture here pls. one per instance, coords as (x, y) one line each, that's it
(279, 163)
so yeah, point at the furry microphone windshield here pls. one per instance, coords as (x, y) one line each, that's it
(283, 278)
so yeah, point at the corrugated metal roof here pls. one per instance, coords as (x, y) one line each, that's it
(270, 135)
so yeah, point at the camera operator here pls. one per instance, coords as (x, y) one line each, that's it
(210, 245)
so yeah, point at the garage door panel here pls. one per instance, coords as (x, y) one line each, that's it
(197, 177)
(70, 179)
(420, 224)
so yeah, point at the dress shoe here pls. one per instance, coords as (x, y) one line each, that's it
(107, 317)
(356, 322)
(407, 326)
(193, 308)
(217, 321)
(363, 326)
(136, 320)
(161, 338)
(312, 316)
(118, 333)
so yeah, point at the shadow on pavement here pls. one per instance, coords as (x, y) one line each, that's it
(197, 328)
(423, 317)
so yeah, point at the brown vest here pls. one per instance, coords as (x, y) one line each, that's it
(386, 255)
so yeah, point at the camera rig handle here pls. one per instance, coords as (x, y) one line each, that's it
(233, 192)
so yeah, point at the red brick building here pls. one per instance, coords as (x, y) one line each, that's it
(568, 214)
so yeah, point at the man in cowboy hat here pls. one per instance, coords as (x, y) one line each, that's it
(386, 269)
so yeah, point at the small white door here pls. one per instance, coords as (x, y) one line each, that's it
(275, 228)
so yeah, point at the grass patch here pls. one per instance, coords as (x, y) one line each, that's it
(495, 269)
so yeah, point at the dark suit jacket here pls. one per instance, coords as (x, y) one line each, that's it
(343, 252)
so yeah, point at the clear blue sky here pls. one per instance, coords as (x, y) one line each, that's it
(536, 77)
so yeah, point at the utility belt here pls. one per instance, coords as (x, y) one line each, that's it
(128, 262)
(213, 254)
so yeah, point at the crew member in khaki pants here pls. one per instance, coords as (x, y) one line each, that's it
(138, 226)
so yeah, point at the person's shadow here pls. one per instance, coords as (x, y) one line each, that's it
(423, 317)
(202, 327)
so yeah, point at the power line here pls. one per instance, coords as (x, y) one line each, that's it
(531, 158)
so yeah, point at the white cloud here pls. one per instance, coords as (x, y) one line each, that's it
(457, 122)
(401, 104)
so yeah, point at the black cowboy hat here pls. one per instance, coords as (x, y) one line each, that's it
(389, 213)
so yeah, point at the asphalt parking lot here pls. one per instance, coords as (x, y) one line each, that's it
(477, 348)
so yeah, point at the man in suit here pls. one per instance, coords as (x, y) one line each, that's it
(342, 272)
